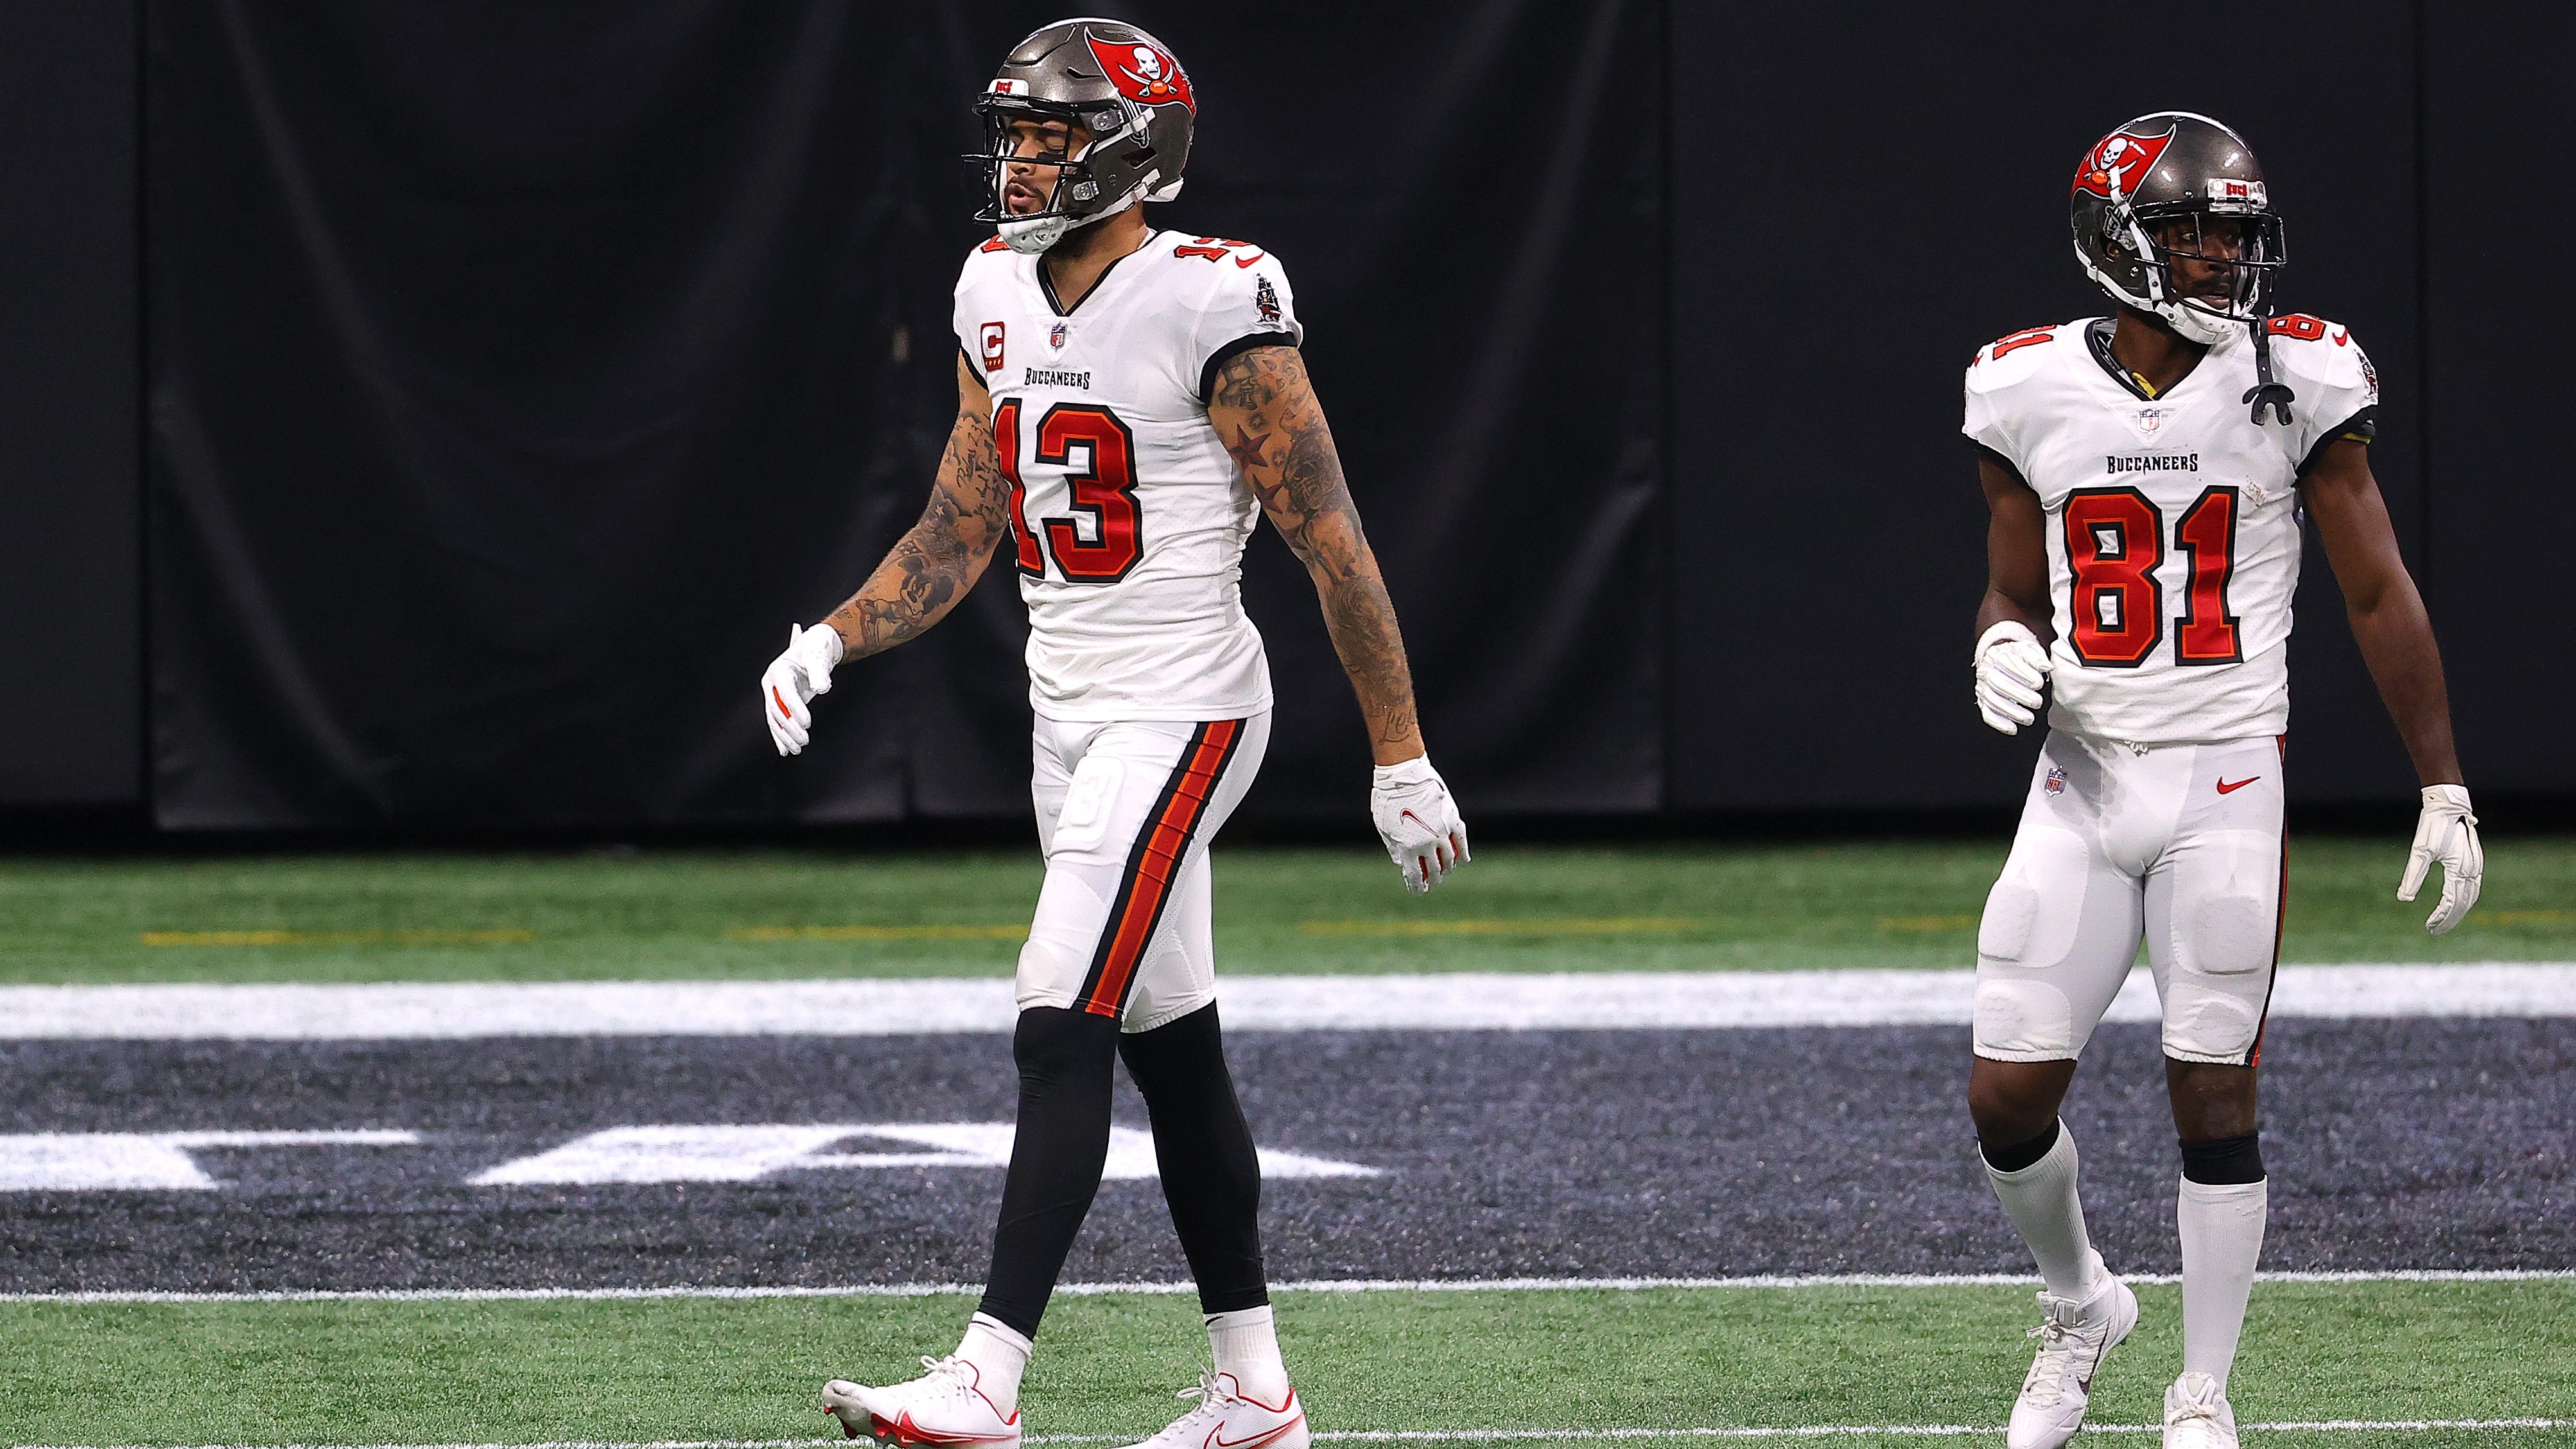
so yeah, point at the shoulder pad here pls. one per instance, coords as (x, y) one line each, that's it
(2016, 355)
(2318, 351)
(1218, 249)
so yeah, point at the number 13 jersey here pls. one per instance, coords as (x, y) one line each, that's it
(1128, 514)
(2172, 521)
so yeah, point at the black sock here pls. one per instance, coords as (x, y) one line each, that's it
(1056, 1156)
(2221, 1160)
(2014, 1156)
(1203, 1148)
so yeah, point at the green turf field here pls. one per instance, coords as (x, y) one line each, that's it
(1666, 1359)
(786, 913)
(623, 1371)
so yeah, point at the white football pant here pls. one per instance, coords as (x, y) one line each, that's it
(1125, 813)
(2178, 844)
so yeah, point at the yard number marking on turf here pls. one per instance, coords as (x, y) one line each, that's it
(146, 1161)
(726, 1153)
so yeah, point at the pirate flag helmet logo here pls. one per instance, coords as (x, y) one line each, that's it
(2119, 161)
(1143, 72)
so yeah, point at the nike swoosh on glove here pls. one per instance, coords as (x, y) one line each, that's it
(2446, 832)
(2011, 666)
(1414, 815)
(788, 688)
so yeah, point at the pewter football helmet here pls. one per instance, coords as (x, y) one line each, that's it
(2157, 168)
(1114, 81)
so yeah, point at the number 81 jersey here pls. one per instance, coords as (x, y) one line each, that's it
(2172, 520)
(1128, 515)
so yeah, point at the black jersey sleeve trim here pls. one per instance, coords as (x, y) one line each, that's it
(1998, 459)
(972, 365)
(2361, 427)
(1225, 354)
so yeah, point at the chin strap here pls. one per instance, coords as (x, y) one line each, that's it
(2267, 393)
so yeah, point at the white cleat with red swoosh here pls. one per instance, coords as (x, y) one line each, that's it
(943, 1409)
(2073, 1340)
(1228, 1418)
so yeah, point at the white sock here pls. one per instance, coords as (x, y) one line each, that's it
(1246, 1345)
(2041, 1201)
(999, 1353)
(2222, 1236)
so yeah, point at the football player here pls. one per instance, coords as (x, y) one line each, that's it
(1130, 403)
(2146, 475)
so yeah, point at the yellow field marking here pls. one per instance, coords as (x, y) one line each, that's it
(879, 933)
(1496, 926)
(2519, 918)
(337, 938)
(1927, 923)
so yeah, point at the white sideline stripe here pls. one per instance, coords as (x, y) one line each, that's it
(1459, 1001)
(1310, 1285)
(1488, 1436)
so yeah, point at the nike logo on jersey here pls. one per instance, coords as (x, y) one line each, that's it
(2230, 787)
(2343, 337)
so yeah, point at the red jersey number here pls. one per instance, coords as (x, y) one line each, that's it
(1215, 249)
(2206, 633)
(2114, 541)
(1098, 455)
(1006, 450)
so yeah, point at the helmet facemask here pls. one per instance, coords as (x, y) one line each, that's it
(2136, 251)
(2248, 244)
(1079, 196)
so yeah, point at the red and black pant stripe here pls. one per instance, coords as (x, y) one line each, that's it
(2280, 924)
(1153, 864)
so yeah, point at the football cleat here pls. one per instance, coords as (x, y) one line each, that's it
(2074, 1338)
(2197, 1415)
(942, 1407)
(1228, 1418)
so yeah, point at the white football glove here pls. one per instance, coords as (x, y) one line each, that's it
(1418, 821)
(2446, 832)
(2011, 666)
(793, 679)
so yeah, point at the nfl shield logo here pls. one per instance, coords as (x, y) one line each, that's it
(1056, 336)
(2056, 784)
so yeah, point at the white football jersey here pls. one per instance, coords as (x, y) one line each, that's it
(1128, 514)
(2173, 521)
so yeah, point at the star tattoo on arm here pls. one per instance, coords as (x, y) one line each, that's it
(1246, 449)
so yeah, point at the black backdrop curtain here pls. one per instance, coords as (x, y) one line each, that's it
(517, 373)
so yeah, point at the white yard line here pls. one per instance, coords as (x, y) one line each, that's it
(1459, 1001)
(1491, 1436)
(1312, 1285)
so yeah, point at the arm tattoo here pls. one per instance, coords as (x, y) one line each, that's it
(1265, 413)
(933, 565)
